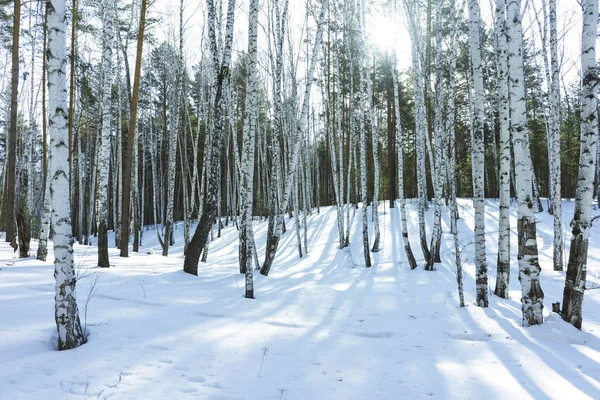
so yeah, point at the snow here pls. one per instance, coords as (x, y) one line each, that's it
(321, 327)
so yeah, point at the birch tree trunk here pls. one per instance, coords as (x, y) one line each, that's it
(352, 133)
(11, 150)
(374, 136)
(450, 114)
(274, 147)
(174, 97)
(363, 144)
(400, 147)
(199, 241)
(413, 12)
(70, 334)
(247, 165)
(437, 164)
(300, 128)
(581, 222)
(532, 296)
(555, 130)
(104, 140)
(478, 159)
(503, 262)
(42, 251)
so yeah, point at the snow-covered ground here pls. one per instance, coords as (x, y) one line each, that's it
(321, 327)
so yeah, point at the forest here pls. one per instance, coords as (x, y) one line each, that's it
(217, 159)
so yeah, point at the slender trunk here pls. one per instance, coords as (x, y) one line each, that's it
(413, 12)
(478, 155)
(555, 129)
(437, 165)
(127, 162)
(104, 140)
(42, 251)
(199, 241)
(70, 334)
(11, 165)
(503, 262)
(582, 222)
(73, 67)
(400, 149)
(532, 296)
(300, 128)
(363, 150)
(248, 146)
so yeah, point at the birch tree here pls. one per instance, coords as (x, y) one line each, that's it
(174, 97)
(42, 251)
(400, 148)
(104, 140)
(503, 262)
(555, 137)
(437, 165)
(247, 165)
(532, 296)
(274, 147)
(582, 218)
(11, 153)
(70, 334)
(300, 128)
(209, 209)
(363, 138)
(413, 11)
(478, 159)
(374, 136)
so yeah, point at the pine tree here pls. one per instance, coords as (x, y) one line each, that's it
(127, 164)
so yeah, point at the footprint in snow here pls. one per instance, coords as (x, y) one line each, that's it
(209, 315)
(188, 390)
(375, 335)
(283, 324)
(165, 360)
(156, 347)
(214, 385)
(196, 379)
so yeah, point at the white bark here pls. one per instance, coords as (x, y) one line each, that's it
(438, 162)
(400, 148)
(478, 159)
(247, 164)
(300, 128)
(532, 296)
(555, 130)
(413, 12)
(103, 151)
(70, 334)
(374, 136)
(582, 218)
(503, 263)
(338, 172)
(363, 144)
(334, 164)
(173, 116)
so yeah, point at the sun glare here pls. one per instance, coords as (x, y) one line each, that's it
(383, 32)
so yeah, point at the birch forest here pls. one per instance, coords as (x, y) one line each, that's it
(295, 198)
